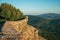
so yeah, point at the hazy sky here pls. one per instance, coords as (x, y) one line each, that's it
(35, 7)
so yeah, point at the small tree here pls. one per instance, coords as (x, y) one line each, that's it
(8, 12)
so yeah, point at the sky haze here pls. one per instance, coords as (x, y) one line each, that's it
(35, 7)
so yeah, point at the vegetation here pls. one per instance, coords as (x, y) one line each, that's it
(9, 12)
(48, 28)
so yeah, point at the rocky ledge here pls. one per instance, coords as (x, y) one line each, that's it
(20, 30)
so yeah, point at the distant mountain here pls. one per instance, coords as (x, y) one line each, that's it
(48, 24)
(42, 20)
(50, 16)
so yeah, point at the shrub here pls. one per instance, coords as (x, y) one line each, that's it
(9, 12)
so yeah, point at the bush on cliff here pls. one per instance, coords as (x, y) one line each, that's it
(9, 12)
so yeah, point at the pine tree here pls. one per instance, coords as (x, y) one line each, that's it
(9, 12)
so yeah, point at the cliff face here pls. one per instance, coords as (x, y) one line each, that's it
(20, 30)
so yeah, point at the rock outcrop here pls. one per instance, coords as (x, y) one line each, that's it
(20, 30)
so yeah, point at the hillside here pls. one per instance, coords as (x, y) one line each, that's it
(50, 15)
(49, 25)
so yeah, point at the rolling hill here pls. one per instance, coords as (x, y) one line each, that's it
(48, 24)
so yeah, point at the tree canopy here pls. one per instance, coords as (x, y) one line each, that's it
(9, 12)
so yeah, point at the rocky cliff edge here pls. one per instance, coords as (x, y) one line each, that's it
(12, 29)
